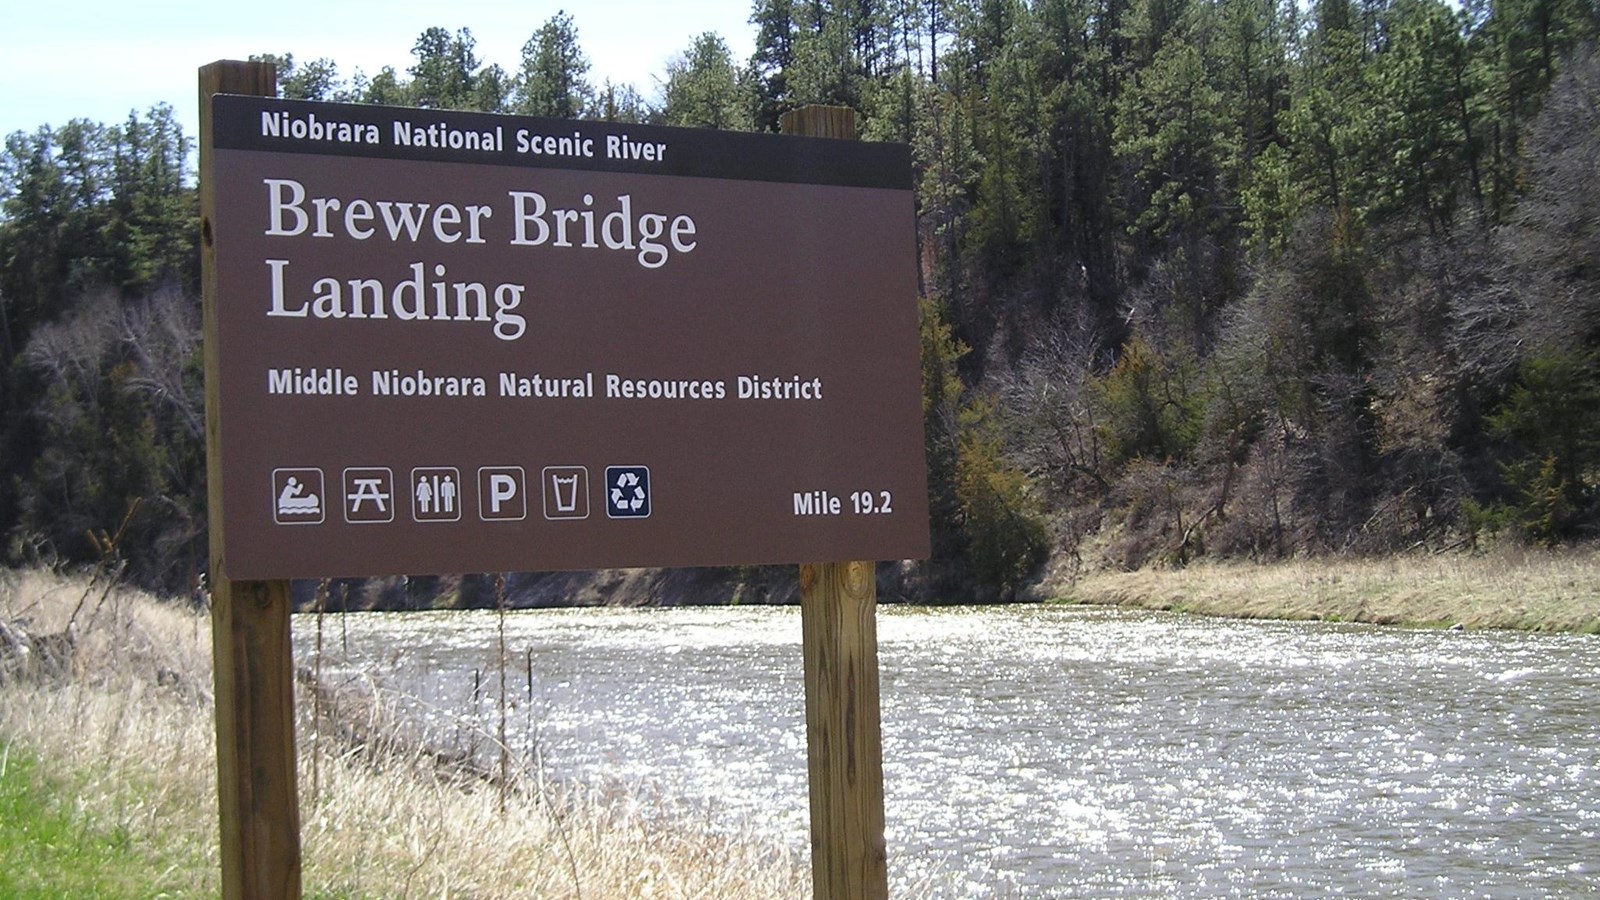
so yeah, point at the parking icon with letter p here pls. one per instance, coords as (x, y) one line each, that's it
(502, 494)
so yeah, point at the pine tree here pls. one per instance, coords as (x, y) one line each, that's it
(704, 88)
(553, 79)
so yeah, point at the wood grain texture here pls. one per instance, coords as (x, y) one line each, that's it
(844, 758)
(838, 621)
(820, 121)
(253, 666)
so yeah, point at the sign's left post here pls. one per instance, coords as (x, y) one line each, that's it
(256, 792)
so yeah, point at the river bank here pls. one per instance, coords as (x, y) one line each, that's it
(121, 742)
(1530, 590)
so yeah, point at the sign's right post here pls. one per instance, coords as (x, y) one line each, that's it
(844, 747)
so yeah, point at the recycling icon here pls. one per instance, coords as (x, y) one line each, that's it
(627, 492)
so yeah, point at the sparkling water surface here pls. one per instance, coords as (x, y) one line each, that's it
(1038, 751)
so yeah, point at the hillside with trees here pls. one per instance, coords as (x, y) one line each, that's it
(1222, 278)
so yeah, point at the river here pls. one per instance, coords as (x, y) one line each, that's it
(1040, 751)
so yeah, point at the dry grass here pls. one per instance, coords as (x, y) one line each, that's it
(1511, 588)
(132, 731)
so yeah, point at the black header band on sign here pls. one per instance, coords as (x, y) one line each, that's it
(389, 132)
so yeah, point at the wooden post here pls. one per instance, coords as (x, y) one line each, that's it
(256, 792)
(844, 746)
(844, 750)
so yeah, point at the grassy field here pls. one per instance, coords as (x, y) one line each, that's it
(1523, 589)
(109, 789)
(52, 850)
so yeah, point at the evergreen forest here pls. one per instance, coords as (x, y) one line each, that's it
(1237, 279)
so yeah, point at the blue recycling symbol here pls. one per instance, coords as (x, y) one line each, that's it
(627, 492)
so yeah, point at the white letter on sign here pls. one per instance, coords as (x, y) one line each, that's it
(275, 188)
(278, 309)
(501, 489)
(523, 217)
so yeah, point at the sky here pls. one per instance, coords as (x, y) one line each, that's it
(101, 59)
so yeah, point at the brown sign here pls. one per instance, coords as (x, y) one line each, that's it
(453, 342)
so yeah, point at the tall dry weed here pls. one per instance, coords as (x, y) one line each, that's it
(132, 733)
